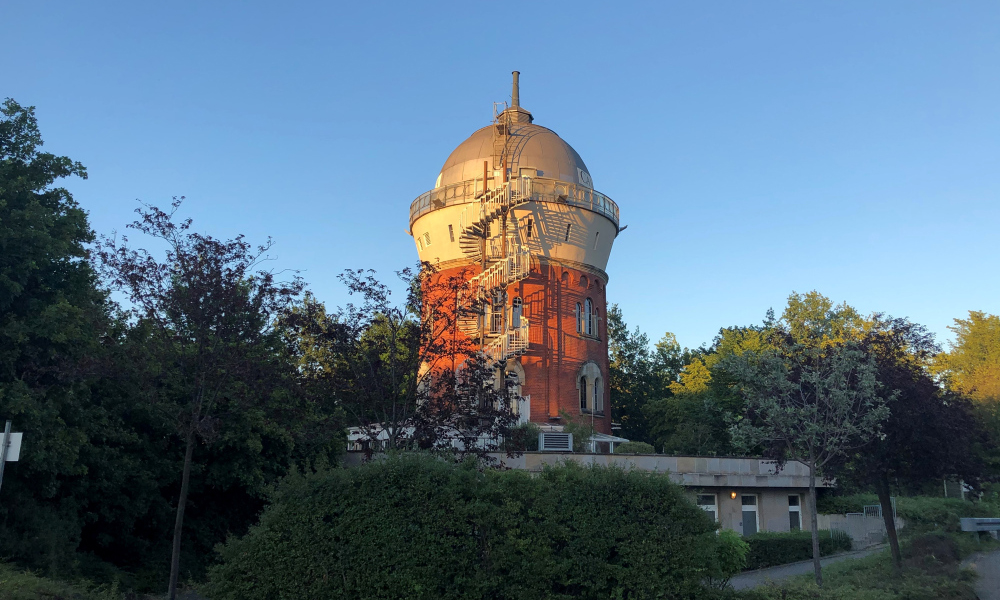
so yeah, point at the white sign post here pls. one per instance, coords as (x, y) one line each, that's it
(10, 448)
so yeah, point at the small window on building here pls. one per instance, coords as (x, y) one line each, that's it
(706, 502)
(794, 513)
(598, 403)
(427, 239)
(451, 232)
(496, 313)
(569, 226)
(530, 224)
(583, 394)
(516, 307)
(420, 243)
(579, 318)
(588, 316)
(597, 238)
(750, 525)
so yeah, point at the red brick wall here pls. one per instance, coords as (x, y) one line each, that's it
(557, 353)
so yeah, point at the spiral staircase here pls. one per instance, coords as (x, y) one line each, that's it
(489, 237)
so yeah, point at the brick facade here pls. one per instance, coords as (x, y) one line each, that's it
(559, 354)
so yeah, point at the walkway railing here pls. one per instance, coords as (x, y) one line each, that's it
(538, 189)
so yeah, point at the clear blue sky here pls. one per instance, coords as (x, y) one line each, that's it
(755, 148)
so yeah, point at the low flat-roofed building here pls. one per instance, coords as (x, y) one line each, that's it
(743, 494)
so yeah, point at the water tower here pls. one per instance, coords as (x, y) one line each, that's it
(514, 206)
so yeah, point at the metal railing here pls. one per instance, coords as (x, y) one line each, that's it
(509, 343)
(501, 274)
(536, 189)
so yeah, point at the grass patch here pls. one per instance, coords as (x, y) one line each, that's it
(931, 571)
(924, 513)
(17, 584)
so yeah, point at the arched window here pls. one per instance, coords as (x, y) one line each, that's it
(588, 314)
(516, 307)
(579, 318)
(591, 385)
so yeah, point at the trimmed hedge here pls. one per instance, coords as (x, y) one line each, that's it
(412, 526)
(770, 549)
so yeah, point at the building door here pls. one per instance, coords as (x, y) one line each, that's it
(794, 512)
(750, 524)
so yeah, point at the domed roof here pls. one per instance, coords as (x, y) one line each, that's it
(533, 150)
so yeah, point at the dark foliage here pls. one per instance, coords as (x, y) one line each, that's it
(770, 549)
(403, 377)
(930, 434)
(417, 527)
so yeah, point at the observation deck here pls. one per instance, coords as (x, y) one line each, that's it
(542, 189)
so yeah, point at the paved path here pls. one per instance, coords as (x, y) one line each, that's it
(987, 566)
(775, 574)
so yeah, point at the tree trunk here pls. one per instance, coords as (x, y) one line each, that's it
(814, 525)
(882, 489)
(175, 556)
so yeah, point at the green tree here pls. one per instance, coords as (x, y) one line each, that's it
(52, 316)
(929, 434)
(631, 379)
(689, 417)
(808, 404)
(972, 366)
(212, 355)
(398, 370)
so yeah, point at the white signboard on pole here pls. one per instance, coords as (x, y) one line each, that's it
(14, 449)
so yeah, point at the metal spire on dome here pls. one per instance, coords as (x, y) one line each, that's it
(515, 94)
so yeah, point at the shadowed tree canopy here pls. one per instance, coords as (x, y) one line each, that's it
(213, 357)
(930, 434)
(52, 315)
(398, 369)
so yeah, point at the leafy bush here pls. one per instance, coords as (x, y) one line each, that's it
(523, 438)
(770, 549)
(925, 513)
(731, 558)
(872, 578)
(635, 448)
(18, 584)
(921, 513)
(841, 505)
(417, 527)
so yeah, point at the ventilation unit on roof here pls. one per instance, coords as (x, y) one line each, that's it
(551, 441)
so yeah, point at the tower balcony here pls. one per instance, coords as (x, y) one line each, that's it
(542, 189)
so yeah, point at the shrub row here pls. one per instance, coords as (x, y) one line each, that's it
(919, 512)
(413, 526)
(770, 549)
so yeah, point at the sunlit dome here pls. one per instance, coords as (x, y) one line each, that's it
(534, 151)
